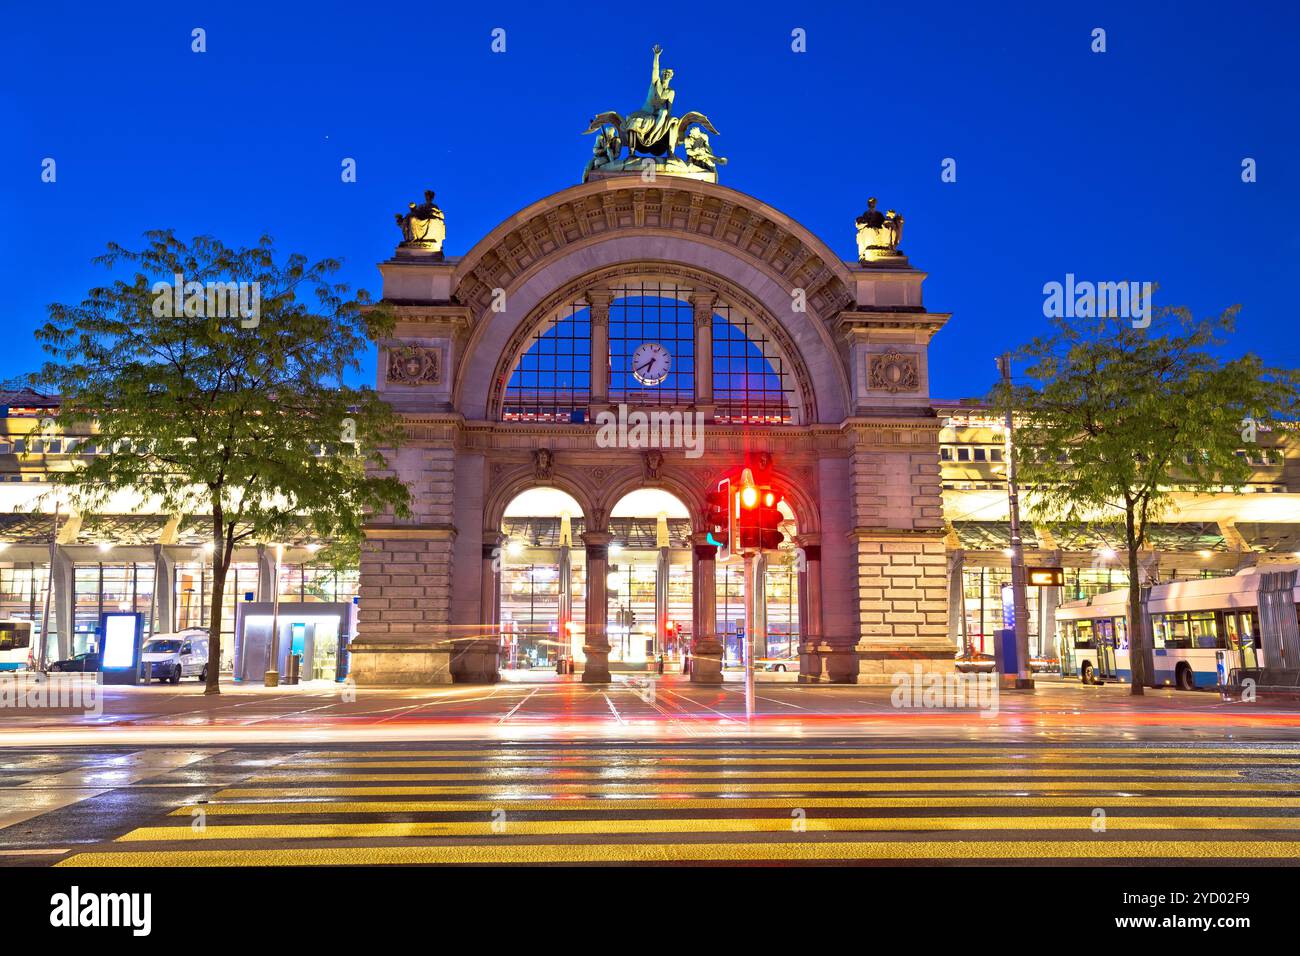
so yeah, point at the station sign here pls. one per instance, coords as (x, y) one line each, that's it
(1046, 577)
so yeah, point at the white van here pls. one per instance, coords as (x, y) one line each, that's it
(173, 656)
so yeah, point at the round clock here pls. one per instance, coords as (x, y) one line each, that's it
(650, 363)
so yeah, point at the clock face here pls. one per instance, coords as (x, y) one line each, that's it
(650, 363)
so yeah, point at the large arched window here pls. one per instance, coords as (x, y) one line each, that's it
(651, 313)
(551, 380)
(750, 380)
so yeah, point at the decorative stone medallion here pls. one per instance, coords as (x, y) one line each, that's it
(894, 372)
(414, 365)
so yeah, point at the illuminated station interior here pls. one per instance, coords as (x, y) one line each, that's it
(117, 561)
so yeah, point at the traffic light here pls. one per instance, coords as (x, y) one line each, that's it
(758, 519)
(746, 513)
(718, 518)
(769, 521)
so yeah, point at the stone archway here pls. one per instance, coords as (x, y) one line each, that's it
(858, 462)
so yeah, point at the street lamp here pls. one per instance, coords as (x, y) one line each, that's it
(272, 676)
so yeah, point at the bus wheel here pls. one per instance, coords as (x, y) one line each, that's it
(1183, 678)
(1085, 675)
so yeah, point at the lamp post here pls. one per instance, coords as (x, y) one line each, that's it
(1019, 585)
(272, 676)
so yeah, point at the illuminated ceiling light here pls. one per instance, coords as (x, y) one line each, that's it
(515, 548)
(1009, 552)
(208, 548)
(313, 548)
(612, 581)
(1205, 554)
(105, 546)
(615, 549)
(3, 545)
(1107, 554)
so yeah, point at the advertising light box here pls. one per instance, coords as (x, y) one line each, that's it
(120, 640)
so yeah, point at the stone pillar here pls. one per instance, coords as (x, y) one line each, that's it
(404, 620)
(164, 591)
(597, 646)
(598, 301)
(706, 650)
(490, 586)
(266, 583)
(810, 609)
(703, 303)
(62, 579)
(957, 600)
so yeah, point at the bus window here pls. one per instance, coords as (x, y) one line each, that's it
(1083, 635)
(1203, 629)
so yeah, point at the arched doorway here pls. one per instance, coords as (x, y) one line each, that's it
(649, 589)
(542, 580)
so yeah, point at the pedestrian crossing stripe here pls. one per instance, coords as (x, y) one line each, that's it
(722, 773)
(271, 808)
(1240, 851)
(615, 787)
(508, 828)
(494, 761)
(744, 751)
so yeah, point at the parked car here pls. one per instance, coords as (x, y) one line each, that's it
(778, 664)
(170, 657)
(80, 663)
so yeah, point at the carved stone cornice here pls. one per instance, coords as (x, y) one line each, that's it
(861, 324)
(768, 238)
(452, 315)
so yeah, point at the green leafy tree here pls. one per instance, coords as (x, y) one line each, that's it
(226, 401)
(1115, 419)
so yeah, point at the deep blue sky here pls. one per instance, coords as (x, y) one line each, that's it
(1123, 165)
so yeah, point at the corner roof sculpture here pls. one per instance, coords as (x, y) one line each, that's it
(655, 132)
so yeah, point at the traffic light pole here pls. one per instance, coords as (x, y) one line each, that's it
(1019, 584)
(751, 625)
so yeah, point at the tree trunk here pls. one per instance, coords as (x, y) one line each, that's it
(220, 565)
(1136, 632)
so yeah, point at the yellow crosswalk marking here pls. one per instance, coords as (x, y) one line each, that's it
(746, 751)
(492, 762)
(489, 828)
(504, 788)
(619, 804)
(286, 807)
(1236, 850)
(670, 773)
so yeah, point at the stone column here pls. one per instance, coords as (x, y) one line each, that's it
(164, 591)
(490, 585)
(703, 303)
(810, 609)
(597, 646)
(706, 650)
(957, 599)
(598, 301)
(62, 579)
(266, 583)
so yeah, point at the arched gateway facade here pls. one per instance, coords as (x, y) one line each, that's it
(682, 299)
